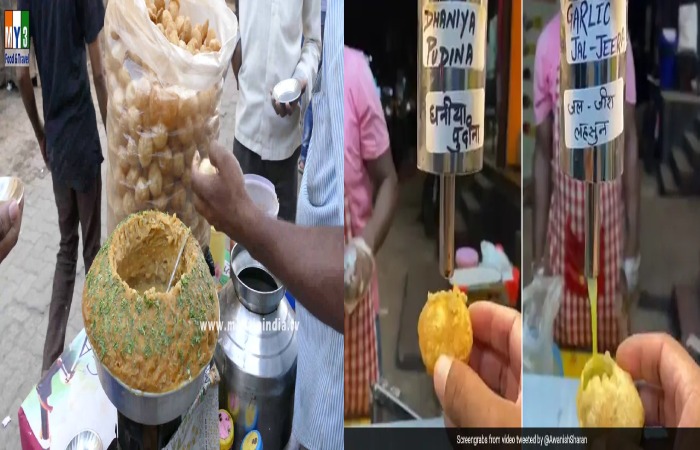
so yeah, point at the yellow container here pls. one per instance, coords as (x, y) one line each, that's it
(218, 245)
(573, 362)
(358, 422)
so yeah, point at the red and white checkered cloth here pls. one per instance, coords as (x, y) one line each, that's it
(361, 364)
(572, 327)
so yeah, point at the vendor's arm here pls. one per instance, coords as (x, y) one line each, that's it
(542, 164)
(630, 177)
(307, 260)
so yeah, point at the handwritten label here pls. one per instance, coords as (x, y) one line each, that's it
(455, 121)
(454, 35)
(593, 116)
(595, 29)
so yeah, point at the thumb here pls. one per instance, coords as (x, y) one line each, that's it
(467, 401)
(217, 155)
(8, 214)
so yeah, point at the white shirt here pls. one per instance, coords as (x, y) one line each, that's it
(271, 34)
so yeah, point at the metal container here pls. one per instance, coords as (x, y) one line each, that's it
(451, 101)
(287, 91)
(592, 85)
(148, 408)
(11, 188)
(85, 440)
(257, 353)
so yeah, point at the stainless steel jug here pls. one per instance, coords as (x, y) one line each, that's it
(257, 353)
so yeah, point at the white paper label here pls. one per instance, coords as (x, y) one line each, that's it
(593, 116)
(454, 35)
(594, 29)
(454, 121)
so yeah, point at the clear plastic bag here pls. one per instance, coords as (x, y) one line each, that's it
(163, 103)
(540, 305)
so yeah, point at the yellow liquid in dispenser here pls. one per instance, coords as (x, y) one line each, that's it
(593, 298)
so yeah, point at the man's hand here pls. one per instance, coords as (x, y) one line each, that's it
(488, 391)
(222, 198)
(10, 223)
(42, 147)
(359, 270)
(658, 359)
(236, 62)
(287, 109)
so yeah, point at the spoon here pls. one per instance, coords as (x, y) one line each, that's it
(177, 263)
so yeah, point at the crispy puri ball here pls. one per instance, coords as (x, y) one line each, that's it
(444, 328)
(138, 93)
(116, 101)
(123, 159)
(165, 161)
(129, 203)
(179, 198)
(132, 177)
(142, 193)
(155, 180)
(160, 203)
(119, 183)
(124, 77)
(607, 396)
(207, 168)
(132, 153)
(166, 104)
(174, 8)
(145, 151)
(168, 185)
(189, 155)
(133, 119)
(185, 133)
(160, 137)
(178, 165)
(214, 45)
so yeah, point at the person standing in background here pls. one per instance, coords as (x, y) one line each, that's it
(68, 139)
(309, 116)
(268, 135)
(369, 170)
(558, 244)
(306, 256)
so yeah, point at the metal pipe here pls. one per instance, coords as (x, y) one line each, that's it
(447, 225)
(592, 230)
(451, 101)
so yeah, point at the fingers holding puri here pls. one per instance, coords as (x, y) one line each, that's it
(498, 329)
(662, 362)
(468, 401)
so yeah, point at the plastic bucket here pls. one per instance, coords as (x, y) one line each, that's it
(262, 192)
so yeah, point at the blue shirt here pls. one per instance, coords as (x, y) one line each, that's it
(318, 401)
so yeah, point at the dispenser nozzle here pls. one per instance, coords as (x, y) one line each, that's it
(447, 225)
(592, 232)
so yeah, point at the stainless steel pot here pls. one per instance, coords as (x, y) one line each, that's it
(256, 355)
(148, 408)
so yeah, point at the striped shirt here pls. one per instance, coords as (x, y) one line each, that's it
(318, 401)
